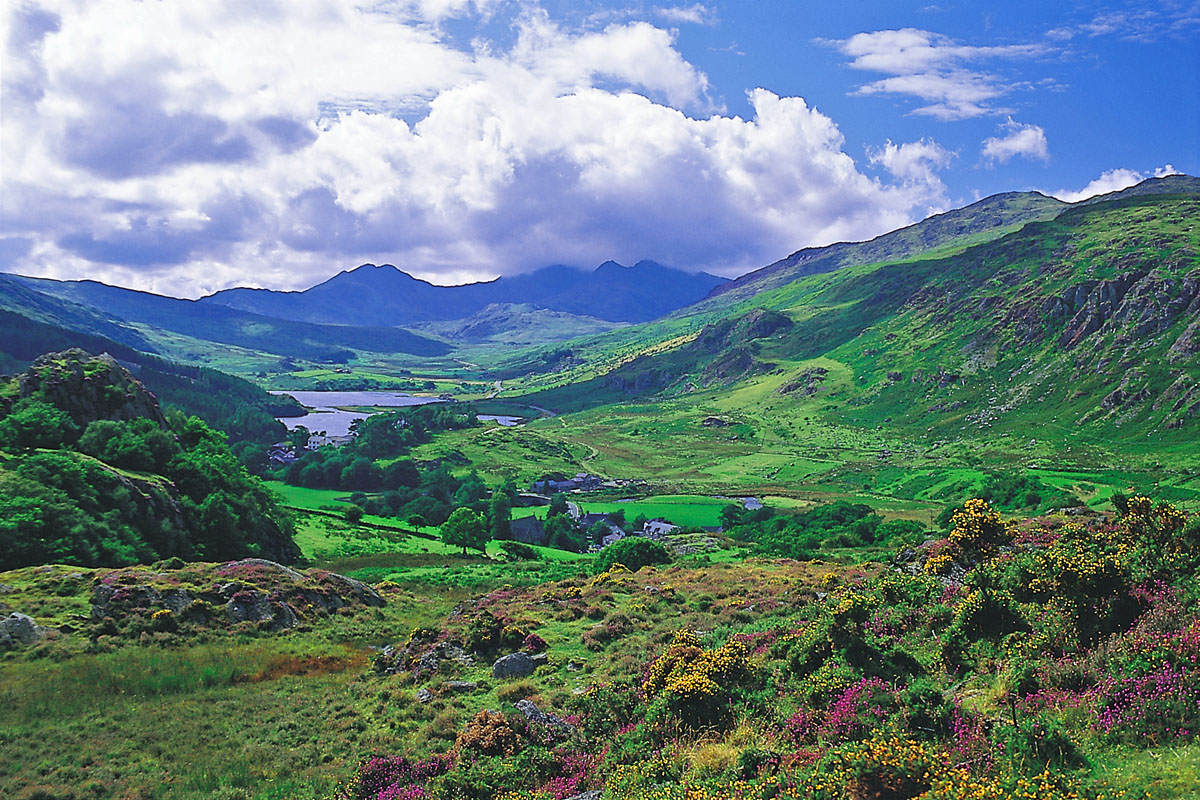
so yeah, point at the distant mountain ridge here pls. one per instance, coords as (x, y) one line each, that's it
(210, 322)
(384, 295)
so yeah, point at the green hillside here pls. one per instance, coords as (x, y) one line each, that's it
(1069, 344)
(92, 473)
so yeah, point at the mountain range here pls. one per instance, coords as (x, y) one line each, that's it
(385, 295)
(368, 309)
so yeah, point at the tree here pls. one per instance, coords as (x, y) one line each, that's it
(465, 529)
(34, 424)
(401, 473)
(634, 552)
(597, 532)
(361, 474)
(500, 516)
(558, 505)
(561, 533)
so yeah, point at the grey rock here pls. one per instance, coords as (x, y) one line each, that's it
(544, 719)
(574, 666)
(424, 696)
(257, 608)
(594, 794)
(19, 629)
(461, 686)
(442, 651)
(516, 665)
(540, 658)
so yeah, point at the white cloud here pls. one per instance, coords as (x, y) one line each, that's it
(1028, 141)
(1170, 20)
(186, 148)
(930, 66)
(695, 14)
(913, 161)
(1113, 180)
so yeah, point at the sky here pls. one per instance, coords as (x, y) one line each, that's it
(186, 147)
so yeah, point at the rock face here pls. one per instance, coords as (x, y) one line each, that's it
(89, 387)
(594, 794)
(516, 665)
(19, 629)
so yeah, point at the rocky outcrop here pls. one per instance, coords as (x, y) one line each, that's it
(806, 383)
(421, 656)
(19, 629)
(254, 590)
(1187, 345)
(89, 387)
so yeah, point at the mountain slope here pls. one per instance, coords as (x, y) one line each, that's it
(516, 324)
(384, 295)
(991, 217)
(216, 323)
(1090, 321)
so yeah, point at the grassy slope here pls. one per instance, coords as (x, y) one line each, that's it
(1017, 404)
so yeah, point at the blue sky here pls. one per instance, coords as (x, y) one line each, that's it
(185, 148)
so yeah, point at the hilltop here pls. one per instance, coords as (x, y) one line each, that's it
(93, 473)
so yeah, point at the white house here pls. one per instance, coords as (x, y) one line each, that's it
(658, 527)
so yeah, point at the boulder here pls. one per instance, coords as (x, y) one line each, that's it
(442, 651)
(544, 719)
(19, 629)
(594, 794)
(516, 665)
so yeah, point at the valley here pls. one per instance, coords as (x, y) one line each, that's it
(917, 517)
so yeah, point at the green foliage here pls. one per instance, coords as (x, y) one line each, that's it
(518, 551)
(499, 516)
(465, 528)
(32, 424)
(634, 552)
(839, 524)
(81, 507)
(139, 445)
(562, 533)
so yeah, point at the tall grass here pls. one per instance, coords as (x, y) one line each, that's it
(41, 689)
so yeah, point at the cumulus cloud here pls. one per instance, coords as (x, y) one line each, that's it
(913, 161)
(1113, 180)
(1028, 141)
(932, 68)
(185, 148)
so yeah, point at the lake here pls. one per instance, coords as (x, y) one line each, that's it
(328, 415)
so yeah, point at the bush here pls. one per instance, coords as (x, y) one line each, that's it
(518, 551)
(634, 552)
(489, 733)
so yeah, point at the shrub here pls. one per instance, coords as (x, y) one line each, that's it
(695, 683)
(488, 733)
(634, 552)
(978, 529)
